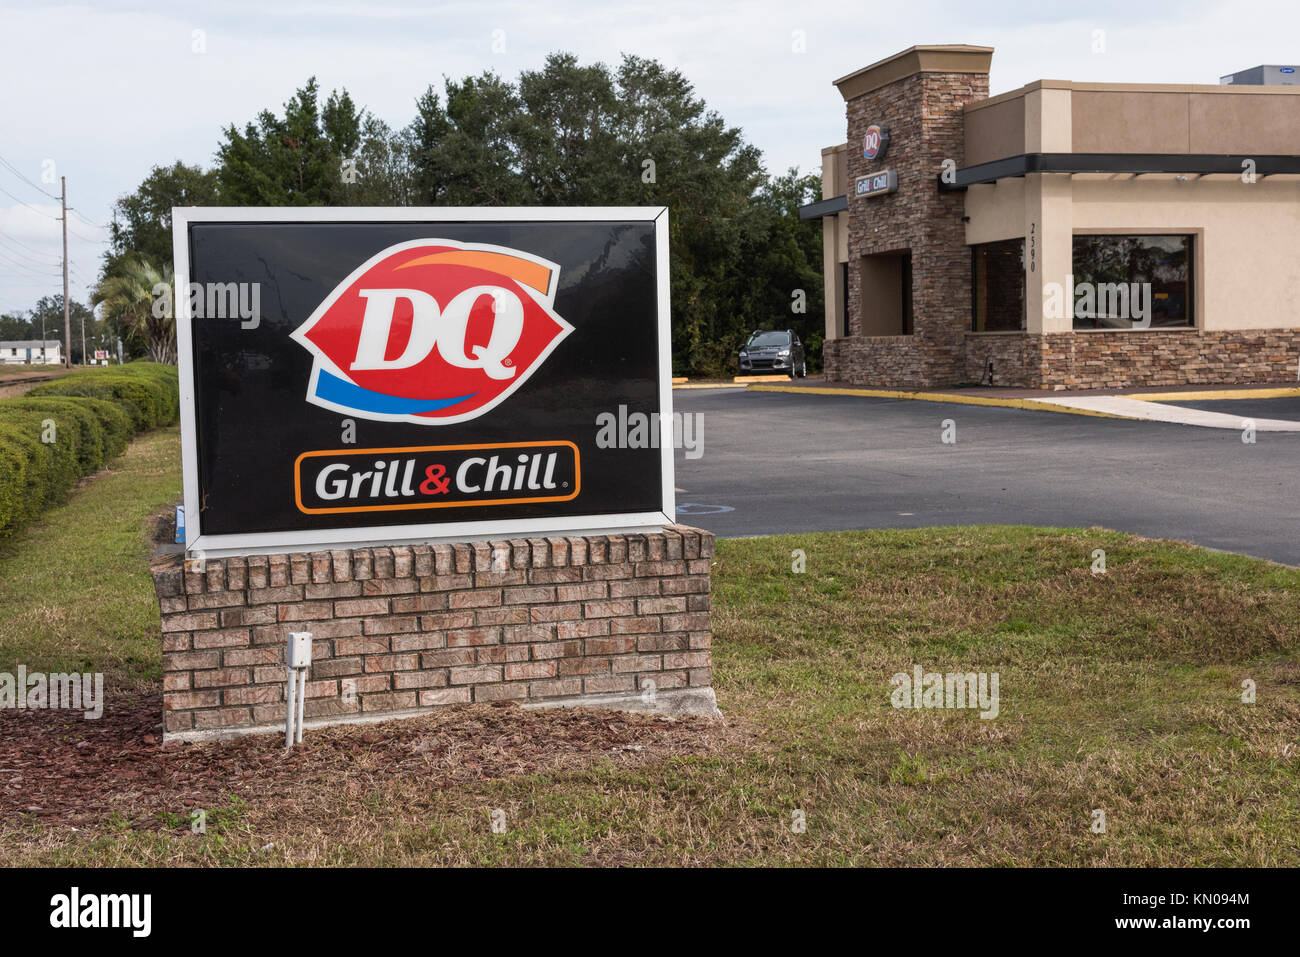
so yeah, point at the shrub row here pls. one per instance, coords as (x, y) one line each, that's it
(71, 427)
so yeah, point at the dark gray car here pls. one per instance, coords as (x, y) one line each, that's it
(774, 351)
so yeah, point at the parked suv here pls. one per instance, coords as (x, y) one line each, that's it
(772, 351)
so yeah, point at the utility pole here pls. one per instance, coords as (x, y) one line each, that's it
(67, 315)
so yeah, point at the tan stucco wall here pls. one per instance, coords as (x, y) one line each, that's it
(995, 131)
(1049, 249)
(835, 238)
(835, 171)
(1056, 116)
(835, 251)
(996, 211)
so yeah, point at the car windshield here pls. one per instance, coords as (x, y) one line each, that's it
(759, 339)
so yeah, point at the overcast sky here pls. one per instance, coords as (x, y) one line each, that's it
(101, 92)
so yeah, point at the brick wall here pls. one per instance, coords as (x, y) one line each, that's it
(401, 629)
(1101, 360)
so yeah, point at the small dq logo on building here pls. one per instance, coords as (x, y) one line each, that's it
(432, 332)
(875, 142)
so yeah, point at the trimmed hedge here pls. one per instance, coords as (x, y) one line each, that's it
(63, 430)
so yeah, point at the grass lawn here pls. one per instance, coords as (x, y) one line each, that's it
(1119, 691)
(17, 379)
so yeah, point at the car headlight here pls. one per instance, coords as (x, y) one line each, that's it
(744, 354)
(784, 353)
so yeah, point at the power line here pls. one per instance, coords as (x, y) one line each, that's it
(88, 222)
(87, 239)
(24, 285)
(32, 259)
(8, 263)
(25, 268)
(14, 169)
(13, 239)
(9, 253)
(28, 205)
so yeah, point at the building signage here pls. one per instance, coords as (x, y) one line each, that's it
(877, 184)
(875, 142)
(419, 374)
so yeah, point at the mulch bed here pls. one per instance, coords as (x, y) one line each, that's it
(58, 768)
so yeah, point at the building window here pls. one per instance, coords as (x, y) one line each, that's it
(1126, 282)
(998, 286)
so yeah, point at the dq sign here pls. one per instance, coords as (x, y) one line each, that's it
(875, 142)
(420, 373)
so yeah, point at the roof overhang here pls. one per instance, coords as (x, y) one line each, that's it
(941, 58)
(825, 207)
(1190, 164)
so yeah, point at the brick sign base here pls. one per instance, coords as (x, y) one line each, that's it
(603, 620)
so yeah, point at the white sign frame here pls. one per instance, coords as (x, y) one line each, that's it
(255, 543)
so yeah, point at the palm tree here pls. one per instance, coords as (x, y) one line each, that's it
(134, 299)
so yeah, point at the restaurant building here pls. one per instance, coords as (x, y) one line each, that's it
(1062, 235)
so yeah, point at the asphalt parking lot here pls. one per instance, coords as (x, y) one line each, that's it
(778, 462)
(1280, 408)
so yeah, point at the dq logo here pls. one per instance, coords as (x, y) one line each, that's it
(875, 142)
(432, 331)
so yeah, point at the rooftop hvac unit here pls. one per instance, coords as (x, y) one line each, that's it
(1263, 76)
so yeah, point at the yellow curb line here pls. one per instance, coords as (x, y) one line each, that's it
(710, 385)
(1283, 392)
(933, 397)
(681, 381)
(774, 377)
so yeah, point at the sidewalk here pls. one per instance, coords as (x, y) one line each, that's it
(1150, 404)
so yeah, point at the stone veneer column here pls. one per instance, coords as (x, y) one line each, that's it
(920, 95)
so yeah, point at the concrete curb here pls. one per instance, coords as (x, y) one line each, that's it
(1143, 407)
(698, 701)
(701, 701)
(1215, 395)
(1037, 405)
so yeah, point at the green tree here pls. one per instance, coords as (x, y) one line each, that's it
(289, 160)
(48, 315)
(142, 221)
(475, 161)
(14, 326)
(132, 297)
(423, 140)
(569, 146)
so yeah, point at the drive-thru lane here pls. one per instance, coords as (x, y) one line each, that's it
(778, 462)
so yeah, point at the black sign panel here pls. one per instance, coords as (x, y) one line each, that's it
(371, 375)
